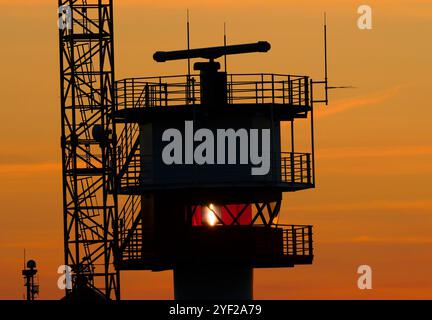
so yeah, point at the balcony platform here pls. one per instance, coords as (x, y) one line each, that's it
(286, 97)
(223, 193)
(253, 246)
(292, 172)
(280, 112)
(157, 264)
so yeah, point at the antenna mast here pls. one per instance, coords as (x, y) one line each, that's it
(225, 44)
(188, 80)
(188, 42)
(325, 59)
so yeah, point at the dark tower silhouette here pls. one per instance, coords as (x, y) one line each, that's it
(29, 273)
(211, 224)
(211, 221)
(87, 140)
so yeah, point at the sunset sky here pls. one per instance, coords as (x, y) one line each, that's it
(373, 201)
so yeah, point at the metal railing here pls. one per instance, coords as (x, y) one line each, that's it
(297, 240)
(168, 91)
(127, 216)
(294, 169)
(127, 144)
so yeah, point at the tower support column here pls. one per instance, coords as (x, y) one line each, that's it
(213, 282)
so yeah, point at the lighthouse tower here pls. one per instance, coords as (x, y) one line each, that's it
(201, 169)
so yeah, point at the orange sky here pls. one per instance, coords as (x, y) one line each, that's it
(373, 202)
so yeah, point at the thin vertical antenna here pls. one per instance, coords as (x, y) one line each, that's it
(225, 44)
(325, 59)
(24, 267)
(188, 42)
(188, 80)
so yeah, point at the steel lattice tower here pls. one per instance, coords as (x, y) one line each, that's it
(89, 200)
(125, 209)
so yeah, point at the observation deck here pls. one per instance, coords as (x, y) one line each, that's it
(146, 99)
(293, 173)
(259, 246)
(165, 100)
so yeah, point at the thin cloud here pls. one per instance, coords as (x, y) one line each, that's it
(48, 244)
(379, 169)
(349, 104)
(364, 206)
(30, 168)
(386, 151)
(388, 240)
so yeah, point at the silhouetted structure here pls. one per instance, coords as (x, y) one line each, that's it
(125, 208)
(84, 292)
(87, 141)
(29, 273)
